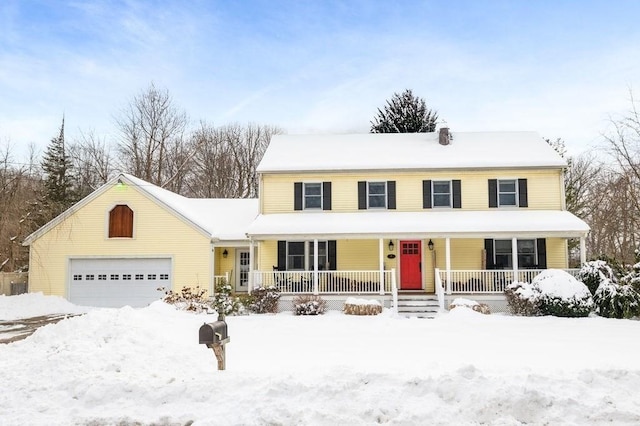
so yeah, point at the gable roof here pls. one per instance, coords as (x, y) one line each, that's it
(402, 151)
(222, 219)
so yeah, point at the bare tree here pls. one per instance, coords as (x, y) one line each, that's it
(226, 159)
(93, 162)
(149, 127)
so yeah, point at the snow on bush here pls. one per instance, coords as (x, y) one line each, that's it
(223, 300)
(633, 277)
(189, 299)
(355, 306)
(613, 300)
(309, 305)
(594, 272)
(470, 304)
(264, 300)
(552, 292)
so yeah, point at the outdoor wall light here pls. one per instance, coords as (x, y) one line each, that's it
(391, 245)
(430, 245)
(225, 253)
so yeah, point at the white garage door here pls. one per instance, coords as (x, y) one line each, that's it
(118, 282)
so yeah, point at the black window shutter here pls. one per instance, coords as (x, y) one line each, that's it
(493, 192)
(542, 253)
(282, 255)
(297, 196)
(426, 194)
(488, 247)
(457, 195)
(362, 195)
(522, 193)
(391, 194)
(331, 252)
(326, 195)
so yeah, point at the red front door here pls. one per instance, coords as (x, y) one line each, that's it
(410, 265)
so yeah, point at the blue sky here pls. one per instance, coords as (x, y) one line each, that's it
(561, 68)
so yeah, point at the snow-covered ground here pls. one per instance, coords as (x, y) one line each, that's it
(145, 366)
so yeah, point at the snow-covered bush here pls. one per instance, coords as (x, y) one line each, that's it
(264, 300)
(522, 299)
(552, 292)
(354, 306)
(223, 300)
(614, 300)
(309, 305)
(594, 272)
(189, 299)
(633, 277)
(483, 308)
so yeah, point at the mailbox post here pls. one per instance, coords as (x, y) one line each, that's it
(216, 336)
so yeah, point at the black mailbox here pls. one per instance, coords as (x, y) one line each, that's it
(214, 333)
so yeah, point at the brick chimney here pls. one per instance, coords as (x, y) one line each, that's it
(443, 136)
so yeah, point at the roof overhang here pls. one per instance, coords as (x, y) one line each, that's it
(518, 223)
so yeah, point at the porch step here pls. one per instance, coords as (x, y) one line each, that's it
(418, 305)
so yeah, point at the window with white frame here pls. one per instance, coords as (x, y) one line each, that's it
(507, 192)
(377, 195)
(441, 193)
(504, 256)
(300, 255)
(312, 195)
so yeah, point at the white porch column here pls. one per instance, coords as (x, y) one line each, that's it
(447, 252)
(315, 266)
(583, 251)
(514, 257)
(381, 260)
(212, 270)
(250, 283)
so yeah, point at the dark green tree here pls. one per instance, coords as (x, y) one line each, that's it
(404, 113)
(59, 193)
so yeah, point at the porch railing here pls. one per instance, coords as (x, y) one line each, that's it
(486, 281)
(328, 282)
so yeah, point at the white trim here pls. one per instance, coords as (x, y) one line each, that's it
(517, 193)
(433, 204)
(386, 194)
(304, 208)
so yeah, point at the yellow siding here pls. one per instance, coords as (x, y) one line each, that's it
(557, 256)
(157, 233)
(544, 188)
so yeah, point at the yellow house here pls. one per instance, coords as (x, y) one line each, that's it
(391, 216)
(120, 244)
(440, 213)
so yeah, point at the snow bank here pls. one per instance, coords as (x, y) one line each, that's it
(36, 304)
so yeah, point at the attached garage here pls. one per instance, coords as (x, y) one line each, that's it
(115, 282)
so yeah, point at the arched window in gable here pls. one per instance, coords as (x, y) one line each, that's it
(121, 221)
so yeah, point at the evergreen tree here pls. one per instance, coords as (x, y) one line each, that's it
(59, 192)
(404, 113)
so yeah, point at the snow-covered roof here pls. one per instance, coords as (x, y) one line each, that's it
(414, 151)
(392, 224)
(224, 219)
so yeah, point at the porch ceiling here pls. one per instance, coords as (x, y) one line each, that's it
(431, 224)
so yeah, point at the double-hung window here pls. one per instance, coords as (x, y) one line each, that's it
(441, 193)
(377, 195)
(300, 255)
(312, 193)
(504, 255)
(507, 192)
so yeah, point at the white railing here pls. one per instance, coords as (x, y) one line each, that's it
(394, 291)
(439, 289)
(328, 282)
(486, 281)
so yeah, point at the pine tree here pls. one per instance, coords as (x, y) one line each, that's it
(404, 113)
(59, 191)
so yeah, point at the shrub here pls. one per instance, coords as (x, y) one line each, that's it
(632, 277)
(522, 299)
(309, 305)
(264, 300)
(189, 299)
(353, 306)
(614, 300)
(552, 292)
(223, 300)
(482, 308)
(594, 272)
